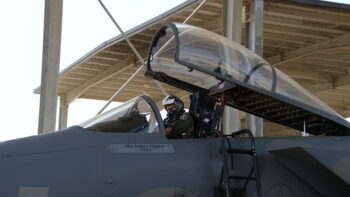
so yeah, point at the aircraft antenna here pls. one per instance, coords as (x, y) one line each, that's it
(136, 53)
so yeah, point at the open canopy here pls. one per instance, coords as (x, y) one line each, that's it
(195, 59)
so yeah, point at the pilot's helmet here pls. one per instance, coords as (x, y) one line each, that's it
(173, 104)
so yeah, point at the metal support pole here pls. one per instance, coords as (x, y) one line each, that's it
(231, 28)
(63, 116)
(304, 131)
(194, 11)
(135, 52)
(50, 65)
(120, 89)
(137, 55)
(254, 41)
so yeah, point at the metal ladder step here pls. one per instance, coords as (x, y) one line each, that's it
(253, 175)
(243, 178)
(240, 151)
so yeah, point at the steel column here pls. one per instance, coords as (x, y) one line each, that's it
(63, 116)
(50, 65)
(231, 28)
(254, 41)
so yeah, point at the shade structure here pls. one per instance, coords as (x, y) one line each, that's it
(195, 59)
(307, 40)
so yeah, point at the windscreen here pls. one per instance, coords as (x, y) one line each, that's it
(135, 116)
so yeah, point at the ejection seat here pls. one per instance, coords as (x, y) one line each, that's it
(202, 110)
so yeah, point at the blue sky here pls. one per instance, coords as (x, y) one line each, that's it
(85, 26)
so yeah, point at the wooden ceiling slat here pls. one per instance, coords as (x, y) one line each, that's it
(66, 85)
(98, 60)
(116, 51)
(333, 101)
(336, 94)
(333, 55)
(297, 72)
(286, 38)
(283, 44)
(183, 18)
(300, 13)
(108, 95)
(213, 4)
(137, 91)
(333, 61)
(142, 37)
(319, 65)
(205, 10)
(303, 24)
(308, 8)
(333, 43)
(298, 31)
(72, 81)
(108, 56)
(77, 76)
(86, 72)
(150, 85)
(315, 66)
(97, 63)
(293, 35)
(87, 66)
(335, 83)
(116, 87)
(276, 50)
(121, 98)
(120, 67)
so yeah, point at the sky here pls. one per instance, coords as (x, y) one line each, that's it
(85, 26)
(340, 1)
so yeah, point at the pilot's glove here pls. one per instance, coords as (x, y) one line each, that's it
(168, 130)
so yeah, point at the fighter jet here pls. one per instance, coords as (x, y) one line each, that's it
(124, 152)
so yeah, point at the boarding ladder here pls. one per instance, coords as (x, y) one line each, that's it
(228, 173)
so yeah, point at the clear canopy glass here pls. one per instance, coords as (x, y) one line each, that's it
(205, 59)
(139, 115)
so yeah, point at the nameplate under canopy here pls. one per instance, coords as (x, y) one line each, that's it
(141, 148)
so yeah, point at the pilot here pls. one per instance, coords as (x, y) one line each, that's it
(178, 123)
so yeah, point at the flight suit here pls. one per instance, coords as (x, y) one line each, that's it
(181, 124)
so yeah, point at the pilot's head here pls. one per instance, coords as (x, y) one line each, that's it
(173, 104)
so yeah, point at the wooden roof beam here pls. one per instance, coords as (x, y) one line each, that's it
(316, 66)
(120, 66)
(335, 83)
(309, 8)
(311, 15)
(292, 31)
(302, 73)
(341, 41)
(303, 24)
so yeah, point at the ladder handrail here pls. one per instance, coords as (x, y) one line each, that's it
(252, 152)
